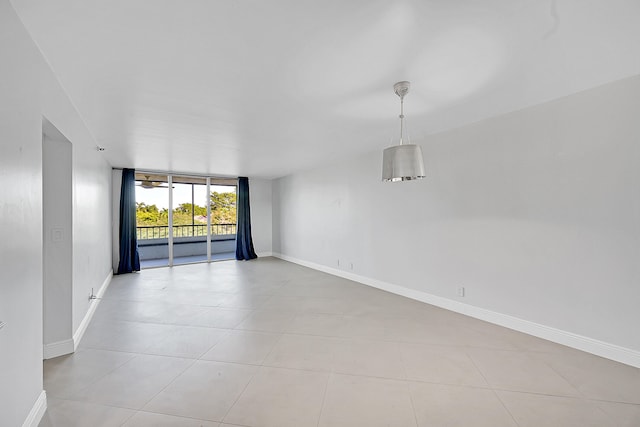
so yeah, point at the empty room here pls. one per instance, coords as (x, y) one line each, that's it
(417, 213)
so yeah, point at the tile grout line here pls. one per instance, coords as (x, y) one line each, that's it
(134, 355)
(407, 383)
(240, 394)
(324, 397)
(580, 393)
(129, 417)
(189, 365)
(495, 393)
(583, 397)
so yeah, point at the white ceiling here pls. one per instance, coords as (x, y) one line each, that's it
(265, 88)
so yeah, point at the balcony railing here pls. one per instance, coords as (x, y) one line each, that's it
(162, 231)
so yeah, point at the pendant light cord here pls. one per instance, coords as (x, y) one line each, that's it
(401, 118)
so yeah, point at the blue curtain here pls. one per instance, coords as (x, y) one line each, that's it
(129, 258)
(244, 243)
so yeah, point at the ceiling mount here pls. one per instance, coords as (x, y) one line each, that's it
(401, 88)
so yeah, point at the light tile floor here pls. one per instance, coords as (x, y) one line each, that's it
(268, 343)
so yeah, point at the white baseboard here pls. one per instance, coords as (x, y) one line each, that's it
(264, 254)
(60, 348)
(93, 305)
(580, 342)
(37, 411)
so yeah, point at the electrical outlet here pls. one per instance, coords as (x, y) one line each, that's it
(461, 291)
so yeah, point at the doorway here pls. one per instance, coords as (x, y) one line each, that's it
(57, 241)
(184, 219)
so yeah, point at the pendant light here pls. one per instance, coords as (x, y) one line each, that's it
(402, 162)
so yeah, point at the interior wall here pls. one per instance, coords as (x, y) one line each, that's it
(57, 239)
(260, 199)
(20, 220)
(91, 227)
(30, 91)
(535, 213)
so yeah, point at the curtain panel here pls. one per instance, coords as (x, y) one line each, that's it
(129, 257)
(244, 242)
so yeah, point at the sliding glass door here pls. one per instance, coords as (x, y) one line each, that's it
(189, 220)
(184, 219)
(152, 219)
(223, 196)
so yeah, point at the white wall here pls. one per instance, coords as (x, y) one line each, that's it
(91, 226)
(57, 241)
(261, 215)
(20, 221)
(536, 213)
(29, 91)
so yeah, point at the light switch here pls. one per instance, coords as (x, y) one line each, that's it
(57, 234)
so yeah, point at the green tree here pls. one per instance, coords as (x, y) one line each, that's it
(185, 208)
(223, 208)
(147, 214)
(223, 211)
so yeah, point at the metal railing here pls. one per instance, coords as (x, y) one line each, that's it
(162, 231)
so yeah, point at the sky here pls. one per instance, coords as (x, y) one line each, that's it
(181, 194)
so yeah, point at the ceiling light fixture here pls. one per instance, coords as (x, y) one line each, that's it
(402, 162)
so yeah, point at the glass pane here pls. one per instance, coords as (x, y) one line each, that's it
(223, 221)
(189, 220)
(152, 219)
